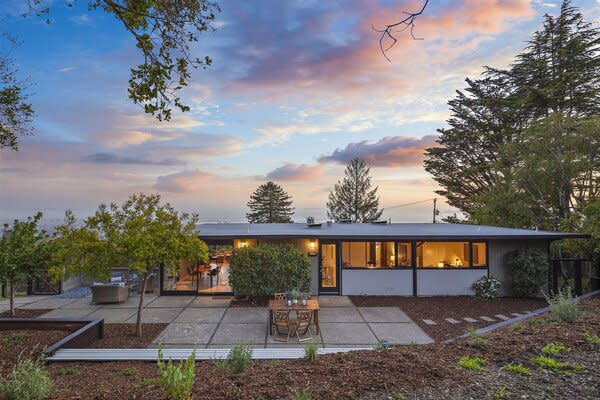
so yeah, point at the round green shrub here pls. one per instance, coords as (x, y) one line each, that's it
(529, 271)
(267, 268)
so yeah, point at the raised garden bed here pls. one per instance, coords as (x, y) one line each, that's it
(457, 307)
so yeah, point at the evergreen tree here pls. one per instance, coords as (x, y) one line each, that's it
(529, 135)
(270, 204)
(353, 198)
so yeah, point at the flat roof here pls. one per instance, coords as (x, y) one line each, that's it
(439, 231)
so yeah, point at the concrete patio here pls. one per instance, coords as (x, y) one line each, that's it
(209, 322)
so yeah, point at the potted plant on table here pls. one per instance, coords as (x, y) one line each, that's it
(293, 295)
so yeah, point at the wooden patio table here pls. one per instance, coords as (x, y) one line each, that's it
(311, 305)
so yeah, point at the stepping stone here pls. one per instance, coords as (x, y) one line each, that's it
(501, 316)
(452, 321)
(516, 314)
(487, 319)
(469, 319)
(429, 322)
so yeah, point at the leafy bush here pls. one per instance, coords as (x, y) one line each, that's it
(267, 268)
(311, 352)
(472, 363)
(564, 306)
(529, 269)
(555, 348)
(238, 360)
(477, 340)
(487, 287)
(27, 381)
(591, 338)
(518, 369)
(177, 381)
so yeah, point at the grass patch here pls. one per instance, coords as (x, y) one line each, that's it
(301, 394)
(477, 340)
(67, 372)
(555, 348)
(518, 369)
(472, 363)
(129, 372)
(14, 337)
(502, 393)
(556, 366)
(311, 352)
(147, 382)
(518, 327)
(28, 380)
(591, 338)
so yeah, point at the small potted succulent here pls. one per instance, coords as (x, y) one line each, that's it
(293, 295)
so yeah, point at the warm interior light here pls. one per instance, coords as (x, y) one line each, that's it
(441, 264)
(243, 243)
(312, 244)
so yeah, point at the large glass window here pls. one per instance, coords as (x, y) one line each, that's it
(451, 254)
(404, 254)
(368, 255)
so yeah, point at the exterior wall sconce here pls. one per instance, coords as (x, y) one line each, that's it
(312, 247)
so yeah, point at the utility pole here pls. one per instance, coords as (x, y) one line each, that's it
(435, 211)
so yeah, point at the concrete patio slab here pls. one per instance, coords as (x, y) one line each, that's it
(339, 314)
(201, 315)
(211, 301)
(69, 313)
(347, 333)
(113, 315)
(233, 333)
(400, 333)
(132, 302)
(383, 314)
(171, 302)
(82, 303)
(186, 334)
(157, 315)
(23, 300)
(334, 301)
(49, 303)
(245, 315)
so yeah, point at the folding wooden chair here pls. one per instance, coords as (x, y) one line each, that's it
(283, 325)
(302, 325)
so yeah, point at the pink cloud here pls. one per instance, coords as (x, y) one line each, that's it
(295, 172)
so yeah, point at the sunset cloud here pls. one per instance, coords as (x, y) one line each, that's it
(390, 151)
(295, 172)
(184, 181)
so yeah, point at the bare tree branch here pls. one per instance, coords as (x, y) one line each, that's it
(407, 23)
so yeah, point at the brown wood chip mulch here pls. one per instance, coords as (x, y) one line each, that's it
(24, 313)
(122, 336)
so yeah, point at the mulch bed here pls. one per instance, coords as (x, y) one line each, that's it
(408, 369)
(457, 307)
(28, 342)
(24, 313)
(122, 336)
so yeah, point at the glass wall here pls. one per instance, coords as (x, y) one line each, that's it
(368, 255)
(451, 254)
(405, 254)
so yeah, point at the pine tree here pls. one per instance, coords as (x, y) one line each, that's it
(270, 204)
(353, 198)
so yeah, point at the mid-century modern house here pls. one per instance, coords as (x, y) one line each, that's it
(406, 259)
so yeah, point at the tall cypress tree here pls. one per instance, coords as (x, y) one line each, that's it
(524, 141)
(270, 204)
(353, 198)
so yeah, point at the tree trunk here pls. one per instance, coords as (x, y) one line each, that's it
(11, 287)
(138, 324)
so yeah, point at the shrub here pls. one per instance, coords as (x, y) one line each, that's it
(267, 268)
(518, 369)
(564, 306)
(238, 360)
(177, 381)
(129, 372)
(301, 394)
(487, 287)
(27, 381)
(529, 269)
(555, 348)
(311, 352)
(477, 340)
(591, 338)
(548, 363)
(472, 363)
(518, 327)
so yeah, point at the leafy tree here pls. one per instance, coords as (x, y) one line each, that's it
(15, 111)
(24, 253)
(353, 198)
(525, 140)
(163, 33)
(270, 204)
(141, 234)
(528, 270)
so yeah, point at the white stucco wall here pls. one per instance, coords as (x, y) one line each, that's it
(441, 282)
(397, 282)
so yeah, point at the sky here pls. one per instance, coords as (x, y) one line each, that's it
(296, 89)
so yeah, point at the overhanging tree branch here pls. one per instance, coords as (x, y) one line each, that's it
(388, 32)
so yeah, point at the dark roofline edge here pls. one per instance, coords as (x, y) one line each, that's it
(547, 236)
